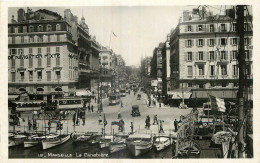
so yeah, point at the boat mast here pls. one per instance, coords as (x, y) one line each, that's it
(241, 66)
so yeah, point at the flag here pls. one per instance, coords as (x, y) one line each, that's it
(114, 34)
(217, 103)
(115, 123)
(105, 121)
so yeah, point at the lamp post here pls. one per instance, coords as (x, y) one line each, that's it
(100, 108)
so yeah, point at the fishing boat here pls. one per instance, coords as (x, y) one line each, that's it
(54, 140)
(161, 143)
(139, 144)
(117, 145)
(80, 137)
(16, 139)
(33, 140)
(105, 141)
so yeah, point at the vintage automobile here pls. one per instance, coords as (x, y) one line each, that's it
(139, 97)
(135, 111)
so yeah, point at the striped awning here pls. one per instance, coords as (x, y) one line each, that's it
(220, 93)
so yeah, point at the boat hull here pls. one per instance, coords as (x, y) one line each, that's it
(162, 146)
(104, 144)
(138, 149)
(46, 144)
(116, 147)
(28, 144)
(15, 142)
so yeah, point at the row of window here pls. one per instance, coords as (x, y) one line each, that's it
(35, 39)
(212, 55)
(39, 62)
(223, 70)
(213, 42)
(39, 75)
(39, 50)
(212, 28)
(212, 84)
(24, 29)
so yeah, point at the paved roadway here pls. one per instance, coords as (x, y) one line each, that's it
(168, 114)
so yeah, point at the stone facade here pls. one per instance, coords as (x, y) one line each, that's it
(204, 53)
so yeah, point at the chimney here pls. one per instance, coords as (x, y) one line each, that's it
(186, 15)
(12, 20)
(67, 15)
(230, 13)
(20, 15)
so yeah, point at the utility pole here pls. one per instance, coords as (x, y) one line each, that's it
(241, 62)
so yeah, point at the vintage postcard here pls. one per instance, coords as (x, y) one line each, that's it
(141, 81)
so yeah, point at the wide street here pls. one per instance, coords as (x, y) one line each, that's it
(166, 113)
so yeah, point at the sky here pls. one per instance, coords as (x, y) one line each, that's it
(139, 29)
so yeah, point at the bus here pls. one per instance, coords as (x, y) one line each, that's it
(122, 92)
(114, 99)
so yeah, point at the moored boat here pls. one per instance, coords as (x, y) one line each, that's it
(105, 141)
(16, 139)
(161, 143)
(33, 141)
(80, 137)
(52, 141)
(117, 145)
(139, 144)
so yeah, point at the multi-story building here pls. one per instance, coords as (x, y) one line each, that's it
(204, 51)
(119, 71)
(146, 67)
(106, 59)
(88, 52)
(166, 86)
(40, 47)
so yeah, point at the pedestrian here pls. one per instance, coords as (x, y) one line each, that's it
(95, 100)
(74, 118)
(83, 117)
(92, 108)
(148, 124)
(175, 125)
(30, 125)
(77, 121)
(49, 125)
(122, 104)
(100, 120)
(161, 127)
(88, 107)
(148, 117)
(119, 116)
(123, 125)
(155, 120)
(132, 128)
(149, 102)
(34, 124)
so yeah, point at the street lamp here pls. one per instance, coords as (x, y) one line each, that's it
(100, 108)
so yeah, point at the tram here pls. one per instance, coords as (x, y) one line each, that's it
(114, 99)
(69, 103)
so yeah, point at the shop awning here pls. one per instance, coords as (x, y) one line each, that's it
(220, 93)
(12, 97)
(83, 92)
(178, 95)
